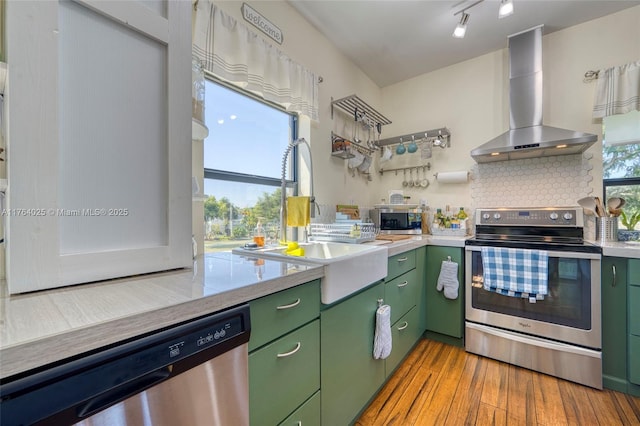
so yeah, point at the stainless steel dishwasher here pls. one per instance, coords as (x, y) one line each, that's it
(195, 373)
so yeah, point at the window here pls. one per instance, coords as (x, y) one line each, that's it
(243, 165)
(621, 162)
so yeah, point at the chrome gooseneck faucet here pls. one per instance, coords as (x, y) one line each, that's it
(283, 195)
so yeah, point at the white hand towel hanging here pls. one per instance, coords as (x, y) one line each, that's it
(382, 338)
(448, 279)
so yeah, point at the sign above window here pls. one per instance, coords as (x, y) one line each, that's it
(260, 22)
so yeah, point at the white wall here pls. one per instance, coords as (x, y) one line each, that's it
(471, 98)
(304, 44)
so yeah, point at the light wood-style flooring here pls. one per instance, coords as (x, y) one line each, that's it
(439, 384)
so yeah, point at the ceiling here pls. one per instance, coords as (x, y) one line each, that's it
(394, 40)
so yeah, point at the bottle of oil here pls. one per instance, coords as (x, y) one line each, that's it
(258, 235)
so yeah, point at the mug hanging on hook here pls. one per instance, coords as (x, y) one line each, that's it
(412, 147)
(400, 149)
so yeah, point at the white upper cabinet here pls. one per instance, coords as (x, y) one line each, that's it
(98, 140)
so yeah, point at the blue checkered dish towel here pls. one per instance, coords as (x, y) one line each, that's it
(515, 272)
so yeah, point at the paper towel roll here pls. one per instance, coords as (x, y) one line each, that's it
(452, 177)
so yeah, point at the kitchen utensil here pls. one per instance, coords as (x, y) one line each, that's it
(387, 154)
(356, 160)
(424, 182)
(589, 205)
(412, 147)
(404, 182)
(425, 148)
(400, 149)
(410, 178)
(366, 163)
(416, 183)
(600, 211)
(615, 203)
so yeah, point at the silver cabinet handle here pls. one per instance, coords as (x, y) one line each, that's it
(613, 269)
(289, 306)
(403, 259)
(286, 354)
(404, 284)
(403, 326)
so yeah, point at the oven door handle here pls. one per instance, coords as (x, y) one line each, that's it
(566, 254)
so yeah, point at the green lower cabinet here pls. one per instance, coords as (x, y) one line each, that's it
(307, 415)
(404, 334)
(634, 359)
(284, 374)
(614, 323)
(444, 316)
(350, 374)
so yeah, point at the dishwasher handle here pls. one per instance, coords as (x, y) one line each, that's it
(124, 391)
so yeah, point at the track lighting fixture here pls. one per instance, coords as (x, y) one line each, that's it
(461, 28)
(506, 8)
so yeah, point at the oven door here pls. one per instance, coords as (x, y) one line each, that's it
(569, 313)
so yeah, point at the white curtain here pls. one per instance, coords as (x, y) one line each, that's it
(232, 52)
(618, 90)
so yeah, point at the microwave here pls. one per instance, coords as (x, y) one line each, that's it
(398, 219)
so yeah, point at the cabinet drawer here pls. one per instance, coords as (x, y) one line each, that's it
(634, 310)
(283, 374)
(402, 294)
(634, 359)
(404, 334)
(401, 263)
(276, 314)
(634, 272)
(307, 415)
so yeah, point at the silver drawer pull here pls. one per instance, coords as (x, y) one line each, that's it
(404, 284)
(292, 305)
(286, 354)
(403, 259)
(405, 325)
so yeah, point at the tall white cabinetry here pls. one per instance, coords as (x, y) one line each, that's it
(98, 140)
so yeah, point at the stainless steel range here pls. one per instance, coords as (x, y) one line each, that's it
(554, 328)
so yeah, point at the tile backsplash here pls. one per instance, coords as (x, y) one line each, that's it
(532, 182)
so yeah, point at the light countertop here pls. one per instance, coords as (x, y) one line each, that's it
(47, 326)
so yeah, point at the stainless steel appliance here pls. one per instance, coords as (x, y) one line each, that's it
(397, 218)
(192, 374)
(559, 335)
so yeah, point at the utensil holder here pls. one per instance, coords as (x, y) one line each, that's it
(607, 229)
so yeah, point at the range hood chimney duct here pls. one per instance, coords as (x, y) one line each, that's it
(528, 137)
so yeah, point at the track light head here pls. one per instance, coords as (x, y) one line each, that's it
(461, 28)
(506, 9)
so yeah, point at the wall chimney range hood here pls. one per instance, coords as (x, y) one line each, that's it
(527, 137)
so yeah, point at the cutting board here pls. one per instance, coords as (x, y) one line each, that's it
(392, 237)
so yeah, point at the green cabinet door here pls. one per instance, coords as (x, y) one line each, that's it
(614, 323)
(283, 374)
(444, 316)
(350, 375)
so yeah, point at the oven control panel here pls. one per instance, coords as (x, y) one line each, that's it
(547, 216)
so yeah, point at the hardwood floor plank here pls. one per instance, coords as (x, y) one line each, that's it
(627, 407)
(466, 401)
(576, 403)
(490, 415)
(548, 401)
(520, 395)
(494, 391)
(438, 384)
(436, 407)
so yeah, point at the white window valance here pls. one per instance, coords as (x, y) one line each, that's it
(618, 90)
(231, 51)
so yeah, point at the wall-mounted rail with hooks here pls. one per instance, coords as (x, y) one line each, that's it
(424, 168)
(433, 134)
